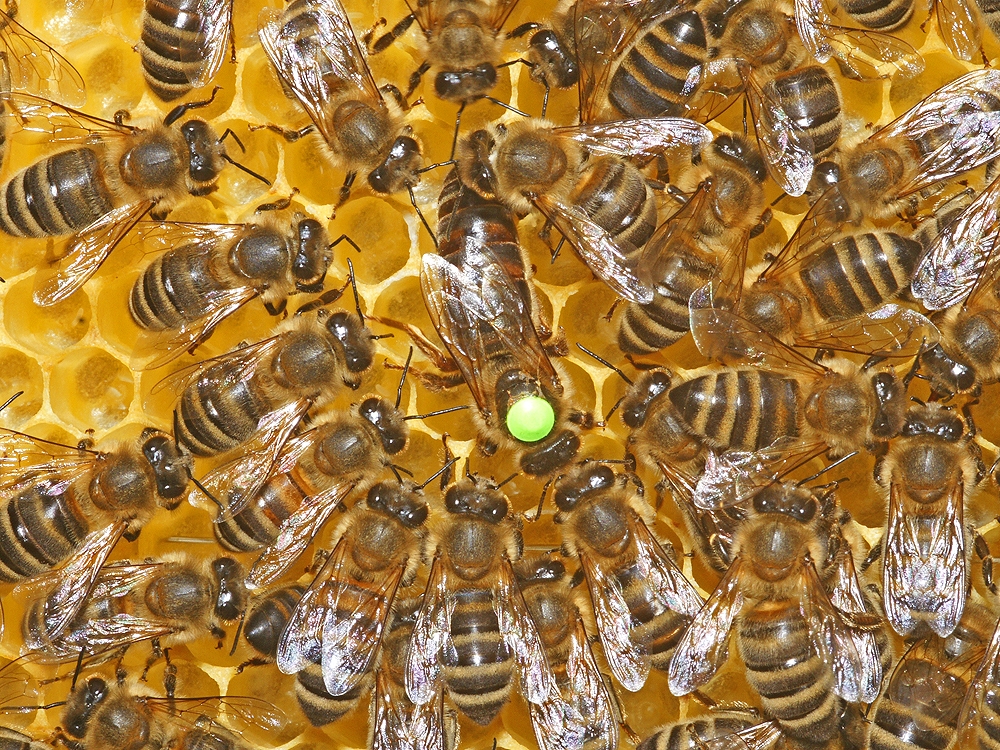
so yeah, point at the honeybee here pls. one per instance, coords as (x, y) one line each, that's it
(99, 190)
(473, 633)
(684, 252)
(11, 739)
(183, 43)
(395, 722)
(948, 133)
(641, 599)
(313, 48)
(723, 729)
(482, 304)
(260, 391)
(580, 178)
(803, 655)
(169, 602)
(212, 270)
(929, 471)
(71, 505)
(959, 272)
(924, 695)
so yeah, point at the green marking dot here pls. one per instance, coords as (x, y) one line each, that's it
(531, 419)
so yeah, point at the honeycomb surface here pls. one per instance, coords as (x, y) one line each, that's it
(74, 361)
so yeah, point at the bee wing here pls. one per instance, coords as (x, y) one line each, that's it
(167, 235)
(318, 67)
(398, 725)
(758, 737)
(102, 635)
(27, 462)
(862, 53)
(203, 712)
(965, 110)
(35, 66)
(702, 648)
(75, 580)
(725, 288)
(963, 256)
(960, 27)
(214, 30)
(981, 689)
(235, 366)
(431, 634)
(670, 585)
(119, 579)
(786, 147)
(297, 532)
(34, 119)
(612, 261)
(86, 252)
(925, 565)
(639, 137)
(499, 12)
(734, 340)
(713, 529)
(889, 331)
(238, 482)
(629, 661)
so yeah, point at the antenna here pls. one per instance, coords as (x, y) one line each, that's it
(605, 362)
(437, 413)
(354, 286)
(438, 473)
(821, 472)
(406, 369)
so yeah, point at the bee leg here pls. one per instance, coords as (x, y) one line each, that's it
(487, 447)
(275, 310)
(415, 77)
(154, 657)
(169, 678)
(982, 551)
(458, 124)
(524, 28)
(289, 135)
(393, 91)
(370, 34)
(257, 661)
(345, 191)
(874, 555)
(555, 253)
(383, 42)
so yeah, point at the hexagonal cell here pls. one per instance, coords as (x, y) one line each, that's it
(46, 330)
(19, 372)
(380, 230)
(90, 388)
(113, 74)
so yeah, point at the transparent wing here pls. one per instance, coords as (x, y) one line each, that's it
(160, 236)
(925, 566)
(975, 708)
(227, 369)
(964, 257)
(34, 119)
(88, 249)
(665, 579)
(639, 137)
(679, 229)
(759, 737)
(611, 260)
(629, 661)
(296, 534)
(238, 482)
(702, 648)
(586, 692)
(102, 635)
(888, 331)
(320, 63)
(431, 634)
(216, 18)
(36, 67)
(26, 462)
(960, 27)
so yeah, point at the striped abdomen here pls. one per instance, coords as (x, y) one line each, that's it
(316, 703)
(616, 197)
(795, 684)
(174, 289)
(649, 328)
(58, 195)
(269, 617)
(691, 735)
(173, 46)
(655, 626)
(38, 532)
(259, 523)
(812, 101)
(650, 78)
(742, 409)
(919, 709)
(215, 415)
(884, 15)
(480, 675)
(859, 273)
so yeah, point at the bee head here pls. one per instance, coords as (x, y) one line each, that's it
(934, 421)
(587, 480)
(539, 569)
(312, 256)
(388, 422)
(736, 148)
(354, 338)
(466, 85)
(484, 502)
(554, 65)
(82, 703)
(475, 163)
(204, 152)
(171, 467)
(399, 168)
(790, 500)
(400, 502)
(232, 594)
(640, 396)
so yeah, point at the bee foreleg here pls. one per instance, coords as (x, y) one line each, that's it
(383, 42)
(415, 77)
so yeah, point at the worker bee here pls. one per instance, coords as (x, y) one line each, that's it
(923, 697)
(929, 471)
(941, 137)
(259, 392)
(98, 191)
(170, 601)
(182, 44)
(959, 274)
(343, 613)
(473, 633)
(395, 722)
(481, 302)
(69, 506)
(723, 729)
(212, 270)
(804, 656)
(641, 599)
(313, 48)
(684, 252)
(549, 599)
(581, 180)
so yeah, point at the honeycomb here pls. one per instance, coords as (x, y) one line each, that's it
(74, 361)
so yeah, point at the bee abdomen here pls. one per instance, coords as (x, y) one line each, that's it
(812, 101)
(657, 628)
(858, 274)
(480, 674)
(317, 704)
(689, 735)
(919, 708)
(739, 409)
(794, 683)
(172, 291)
(213, 419)
(259, 523)
(37, 532)
(884, 15)
(172, 47)
(267, 620)
(650, 79)
(61, 194)
(616, 197)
